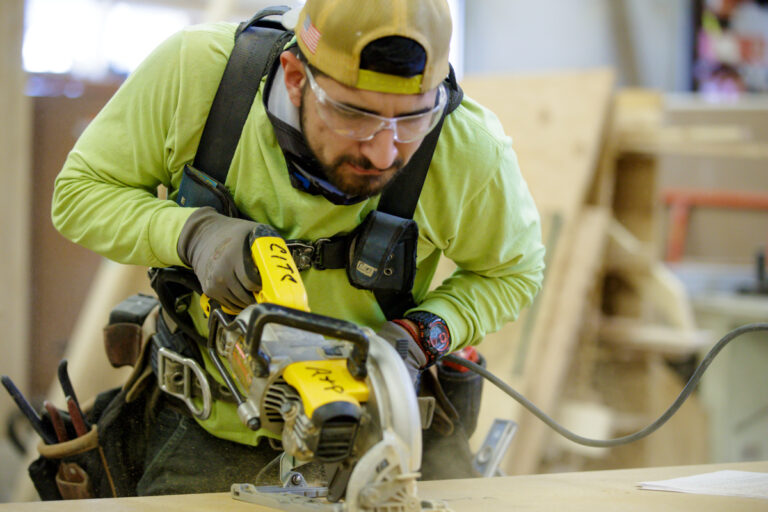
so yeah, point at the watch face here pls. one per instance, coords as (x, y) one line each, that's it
(435, 336)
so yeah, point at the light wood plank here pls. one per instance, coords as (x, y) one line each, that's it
(557, 334)
(594, 491)
(557, 123)
(15, 271)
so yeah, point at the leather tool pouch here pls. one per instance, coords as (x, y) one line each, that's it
(107, 461)
(124, 335)
(445, 444)
(464, 391)
(199, 189)
(383, 253)
(74, 469)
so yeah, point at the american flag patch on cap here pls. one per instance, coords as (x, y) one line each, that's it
(310, 35)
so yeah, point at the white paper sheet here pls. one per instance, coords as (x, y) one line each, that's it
(745, 484)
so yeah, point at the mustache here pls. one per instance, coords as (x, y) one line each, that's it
(366, 164)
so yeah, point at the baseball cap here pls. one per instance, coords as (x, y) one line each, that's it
(332, 34)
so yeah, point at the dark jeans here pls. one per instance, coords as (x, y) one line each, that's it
(183, 458)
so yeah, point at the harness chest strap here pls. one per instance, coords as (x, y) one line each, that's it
(321, 254)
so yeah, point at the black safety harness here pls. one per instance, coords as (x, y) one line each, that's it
(379, 255)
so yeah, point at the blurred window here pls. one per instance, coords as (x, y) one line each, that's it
(92, 38)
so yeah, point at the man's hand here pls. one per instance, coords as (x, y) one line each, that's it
(400, 338)
(217, 249)
(424, 334)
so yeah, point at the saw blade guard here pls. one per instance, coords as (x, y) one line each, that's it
(394, 397)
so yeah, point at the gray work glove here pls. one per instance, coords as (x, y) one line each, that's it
(217, 249)
(403, 341)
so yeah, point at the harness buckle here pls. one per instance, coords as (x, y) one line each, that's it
(307, 254)
(177, 369)
(317, 256)
(302, 253)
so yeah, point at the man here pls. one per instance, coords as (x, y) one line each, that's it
(359, 92)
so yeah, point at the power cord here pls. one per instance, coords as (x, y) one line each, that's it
(684, 394)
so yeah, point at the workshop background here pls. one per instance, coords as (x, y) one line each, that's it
(641, 127)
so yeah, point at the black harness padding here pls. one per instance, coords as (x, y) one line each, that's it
(257, 43)
(402, 195)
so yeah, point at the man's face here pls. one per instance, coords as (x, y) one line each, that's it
(353, 166)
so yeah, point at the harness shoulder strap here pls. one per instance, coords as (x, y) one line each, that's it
(401, 197)
(258, 42)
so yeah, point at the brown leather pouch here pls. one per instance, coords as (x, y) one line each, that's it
(77, 459)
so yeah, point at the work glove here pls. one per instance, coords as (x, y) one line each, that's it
(407, 347)
(421, 338)
(217, 248)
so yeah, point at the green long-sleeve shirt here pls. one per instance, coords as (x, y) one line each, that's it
(474, 208)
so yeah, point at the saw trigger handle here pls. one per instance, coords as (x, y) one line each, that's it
(267, 313)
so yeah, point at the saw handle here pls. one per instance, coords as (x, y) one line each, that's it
(266, 313)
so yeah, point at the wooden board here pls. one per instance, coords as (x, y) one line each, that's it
(556, 334)
(558, 142)
(576, 492)
(557, 122)
(14, 201)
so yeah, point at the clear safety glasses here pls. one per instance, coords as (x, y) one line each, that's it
(360, 125)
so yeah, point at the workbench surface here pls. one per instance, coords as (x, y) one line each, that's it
(586, 491)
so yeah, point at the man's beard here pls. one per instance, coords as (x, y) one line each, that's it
(351, 184)
(356, 185)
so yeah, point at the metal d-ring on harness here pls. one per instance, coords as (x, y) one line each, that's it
(175, 360)
(190, 368)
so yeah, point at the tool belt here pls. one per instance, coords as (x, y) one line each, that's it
(174, 358)
(108, 460)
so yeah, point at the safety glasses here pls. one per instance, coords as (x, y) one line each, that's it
(357, 124)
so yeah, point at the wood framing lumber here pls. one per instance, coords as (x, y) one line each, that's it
(654, 283)
(717, 144)
(558, 143)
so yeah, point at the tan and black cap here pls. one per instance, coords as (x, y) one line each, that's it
(333, 35)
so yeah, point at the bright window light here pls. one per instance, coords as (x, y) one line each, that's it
(131, 32)
(56, 33)
(91, 38)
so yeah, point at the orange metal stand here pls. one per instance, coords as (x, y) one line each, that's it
(681, 200)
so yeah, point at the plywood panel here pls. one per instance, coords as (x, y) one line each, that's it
(557, 123)
(558, 140)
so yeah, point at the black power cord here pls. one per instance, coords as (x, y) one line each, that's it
(684, 394)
